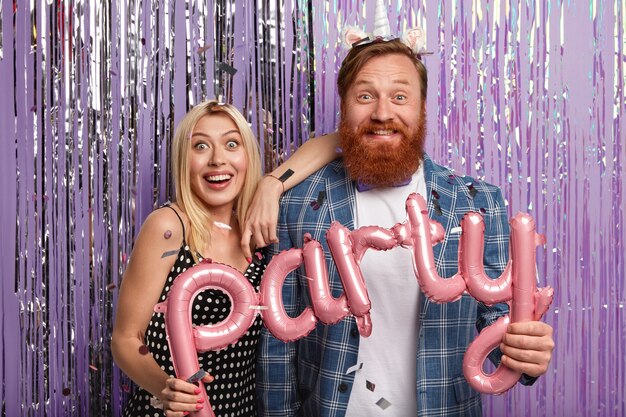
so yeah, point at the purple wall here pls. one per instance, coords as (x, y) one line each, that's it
(526, 94)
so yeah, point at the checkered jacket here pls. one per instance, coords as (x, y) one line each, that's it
(308, 377)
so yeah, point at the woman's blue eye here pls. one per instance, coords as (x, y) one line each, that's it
(201, 146)
(232, 144)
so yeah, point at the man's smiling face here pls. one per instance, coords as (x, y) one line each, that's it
(383, 121)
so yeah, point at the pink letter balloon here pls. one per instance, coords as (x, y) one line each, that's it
(185, 340)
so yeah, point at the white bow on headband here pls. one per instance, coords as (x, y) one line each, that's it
(414, 38)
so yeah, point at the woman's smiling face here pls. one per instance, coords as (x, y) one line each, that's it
(217, 161)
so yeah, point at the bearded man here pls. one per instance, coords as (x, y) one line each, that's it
(412, 363)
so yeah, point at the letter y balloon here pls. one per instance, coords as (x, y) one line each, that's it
(516, 286)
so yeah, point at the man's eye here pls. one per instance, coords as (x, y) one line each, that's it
(365, 97)
(400, 97)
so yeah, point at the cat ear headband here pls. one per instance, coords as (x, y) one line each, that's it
(414, 38)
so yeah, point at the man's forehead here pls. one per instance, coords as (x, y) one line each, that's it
(400, 76)
(393, 68)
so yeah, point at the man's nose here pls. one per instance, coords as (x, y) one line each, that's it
(383, 111)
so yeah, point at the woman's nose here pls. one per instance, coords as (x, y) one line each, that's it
(217, 157)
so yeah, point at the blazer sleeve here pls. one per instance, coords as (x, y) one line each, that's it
(276, 360)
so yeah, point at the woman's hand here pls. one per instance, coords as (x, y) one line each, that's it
(179, 397)
(262, 216)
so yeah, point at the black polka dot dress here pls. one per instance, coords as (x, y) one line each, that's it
(232, 393)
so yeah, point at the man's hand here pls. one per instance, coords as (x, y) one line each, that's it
(262, 216)
(527, 347)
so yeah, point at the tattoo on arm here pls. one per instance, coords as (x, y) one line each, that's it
(169, 253)
(286, 175)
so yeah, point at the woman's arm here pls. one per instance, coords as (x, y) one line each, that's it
(260, 224)
(308, 158)
(139, 291)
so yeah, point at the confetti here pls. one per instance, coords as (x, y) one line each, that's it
(226, 68)
(203, 49)
(383, 403)
(197, 376)
(437, 207)
(156, 403)
(223, 226)
(316, 204)
(354, 368)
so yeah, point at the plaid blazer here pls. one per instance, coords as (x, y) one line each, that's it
(308, 377)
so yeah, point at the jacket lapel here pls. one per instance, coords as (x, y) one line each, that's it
(442, 193)
(340, 195)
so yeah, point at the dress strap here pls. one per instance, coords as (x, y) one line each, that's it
(179, 218)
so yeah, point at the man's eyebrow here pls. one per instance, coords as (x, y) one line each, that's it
(360, 82)
(402, 81)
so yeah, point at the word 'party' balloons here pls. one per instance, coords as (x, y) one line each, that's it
(419, 234)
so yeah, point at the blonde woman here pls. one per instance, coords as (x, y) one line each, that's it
(216, 168)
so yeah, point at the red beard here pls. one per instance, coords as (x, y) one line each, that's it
(382, 164)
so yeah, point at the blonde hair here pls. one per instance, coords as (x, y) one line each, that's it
(199, 219)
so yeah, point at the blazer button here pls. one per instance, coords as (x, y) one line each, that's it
(343, 387)
(354, 333)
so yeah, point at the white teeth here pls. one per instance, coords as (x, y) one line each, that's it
(382, 132)
(222, 177)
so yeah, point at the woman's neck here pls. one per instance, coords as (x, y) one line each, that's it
(224, 246)
(224, 217)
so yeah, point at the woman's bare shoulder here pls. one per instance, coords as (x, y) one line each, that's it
(163, 223)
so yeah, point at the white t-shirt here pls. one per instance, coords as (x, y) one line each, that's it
(386, 381)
